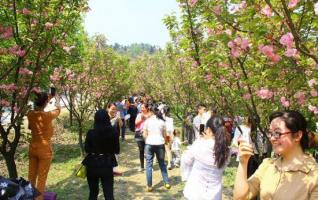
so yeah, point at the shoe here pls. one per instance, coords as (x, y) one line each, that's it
(141, 169)
(167, 185)
(115, 173)
(169, 168)
(149, 189)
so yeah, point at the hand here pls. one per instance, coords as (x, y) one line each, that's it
(57, 101)
(245, 151)
(207, 134)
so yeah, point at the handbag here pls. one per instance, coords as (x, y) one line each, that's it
(81, 171)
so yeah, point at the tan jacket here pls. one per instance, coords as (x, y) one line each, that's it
(298, 182)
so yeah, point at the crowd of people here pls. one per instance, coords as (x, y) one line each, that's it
(211, 141)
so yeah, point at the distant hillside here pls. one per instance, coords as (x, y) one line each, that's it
(135, 49)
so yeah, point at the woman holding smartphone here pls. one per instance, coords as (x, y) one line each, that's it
(293, 175)
(202, 165)
(40, 149)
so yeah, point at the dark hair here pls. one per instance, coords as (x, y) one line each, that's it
(166, 110)
(101, 120)
(295, 122)
(221, 147)
(111, 104)
(147, 105)
(154, 109)
(175, 132)
(41, 99)
(201, 105)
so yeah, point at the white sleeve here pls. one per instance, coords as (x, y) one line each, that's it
(187, 160)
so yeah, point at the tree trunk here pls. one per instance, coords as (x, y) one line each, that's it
(11, 166)
(71, 110)
(80, 138)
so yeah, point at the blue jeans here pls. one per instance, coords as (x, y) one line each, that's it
(150, 151)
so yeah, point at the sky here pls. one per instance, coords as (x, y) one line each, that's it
(130, 21)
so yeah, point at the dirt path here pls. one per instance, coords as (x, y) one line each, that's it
(133, 184)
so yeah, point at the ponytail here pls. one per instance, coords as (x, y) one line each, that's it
(222, 140)
(154, 109)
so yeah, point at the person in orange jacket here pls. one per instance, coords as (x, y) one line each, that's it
(40, 149)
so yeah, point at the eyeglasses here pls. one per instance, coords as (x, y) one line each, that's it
(276, 134)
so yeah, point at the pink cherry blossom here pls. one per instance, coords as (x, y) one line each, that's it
(292, 3)
(6, 33)
(217, 10)
(268, 50)
(25, 11)
(245, 44)
(284, 102)
(267, 11)
(48, 25)
(36, 90)
(193, 2)
(233, 8)
(210, 31)
(313, 93)
(231, 44)
(264, 93)
(287, 40)
(316, 8)
(246, 96)
(235, 53)
(291, 52)
(8, 88)
(4, 103)
(25, 71)
(312, 83)
(181, 60)
(313, 109)
(17, 51)
(208, 77)
(223, 65)
(228, 32)
(300, 96)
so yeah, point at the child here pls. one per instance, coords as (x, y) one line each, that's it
(175, 148)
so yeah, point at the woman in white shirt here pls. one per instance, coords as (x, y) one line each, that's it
(154, 133)
(202, 165)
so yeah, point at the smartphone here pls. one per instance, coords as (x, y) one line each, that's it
(201, 129)
(53, 91)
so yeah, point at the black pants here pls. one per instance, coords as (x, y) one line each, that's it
(141, 147)
(107, 184)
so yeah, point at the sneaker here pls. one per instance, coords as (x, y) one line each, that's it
(116, 173)
(149, 189)
(141, 169)
(167, 185)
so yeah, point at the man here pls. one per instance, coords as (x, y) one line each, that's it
(199, 119)
(121, 108)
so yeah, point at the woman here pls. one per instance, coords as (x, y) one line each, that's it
(140, 121)
(101, 145)
(202, 165)
(292, 175)
(40, 149)
(154, 134)
(116, 123)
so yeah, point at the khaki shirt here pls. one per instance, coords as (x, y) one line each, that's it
(298, 182)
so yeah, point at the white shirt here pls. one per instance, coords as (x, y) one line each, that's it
(155, 128)
(198, 168)
(176, 142)
(196, 125)
(169, 125)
